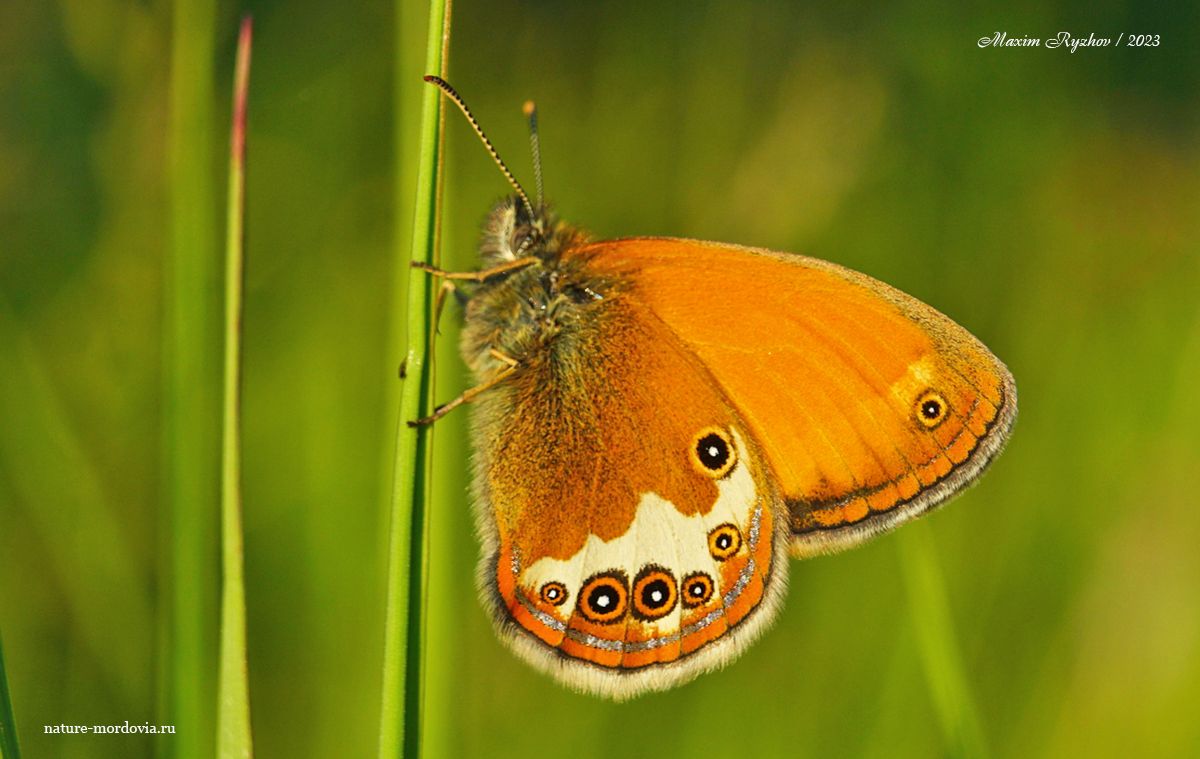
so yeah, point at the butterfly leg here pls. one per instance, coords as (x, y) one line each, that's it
(448, 287)
(504, 358)
(510, 366)
(478, 276)
(439, 302)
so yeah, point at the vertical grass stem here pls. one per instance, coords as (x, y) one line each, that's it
(190, 405)
(400, 709)
(233, 690)
(938, 645)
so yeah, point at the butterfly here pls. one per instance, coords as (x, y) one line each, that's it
(659, 423)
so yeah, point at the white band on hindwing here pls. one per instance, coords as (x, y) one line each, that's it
(604, 644)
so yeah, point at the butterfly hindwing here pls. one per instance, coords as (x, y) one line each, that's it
(633, 534)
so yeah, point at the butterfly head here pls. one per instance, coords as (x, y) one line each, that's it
(515, 230)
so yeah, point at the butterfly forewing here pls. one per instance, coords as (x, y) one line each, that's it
(869, 406)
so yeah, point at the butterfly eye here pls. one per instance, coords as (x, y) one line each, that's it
(713, 453)
(604, 597)
(724, 541)
(554, 593)
(932, 409)
(697, 589)
(581, 294)
(654, 593)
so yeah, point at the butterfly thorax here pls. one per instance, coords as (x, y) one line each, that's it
(543, 311)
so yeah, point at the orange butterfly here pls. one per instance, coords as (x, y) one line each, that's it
(660, 422)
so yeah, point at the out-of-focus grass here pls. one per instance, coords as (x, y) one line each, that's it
(234, 739)
(9, 748)
(191, 407)
(1044, 200)
(938, 645)
(83, 549)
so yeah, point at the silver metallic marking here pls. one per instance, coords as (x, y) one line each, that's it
(704, 621)
(592, 641)
(754, 523)
(740, 585)
(540, 615)
(648, 645)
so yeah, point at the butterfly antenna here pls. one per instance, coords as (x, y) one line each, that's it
(445, 87)
(536, 147)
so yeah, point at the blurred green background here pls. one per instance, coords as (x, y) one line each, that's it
(1048, 201)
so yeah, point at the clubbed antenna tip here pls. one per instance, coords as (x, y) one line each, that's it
(535, 147)
(451, 93)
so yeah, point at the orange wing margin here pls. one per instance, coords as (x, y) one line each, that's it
(871, 407)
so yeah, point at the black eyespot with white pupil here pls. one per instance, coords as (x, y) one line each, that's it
(713, 453)
(604, 597)
(554, 593)
(932, 409)
(697, 589)
(724, 541)
(654, 593)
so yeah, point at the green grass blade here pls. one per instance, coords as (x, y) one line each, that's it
(233, 688)
(938, 645)
(400, 710)
(191, 406)
(8, 724)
